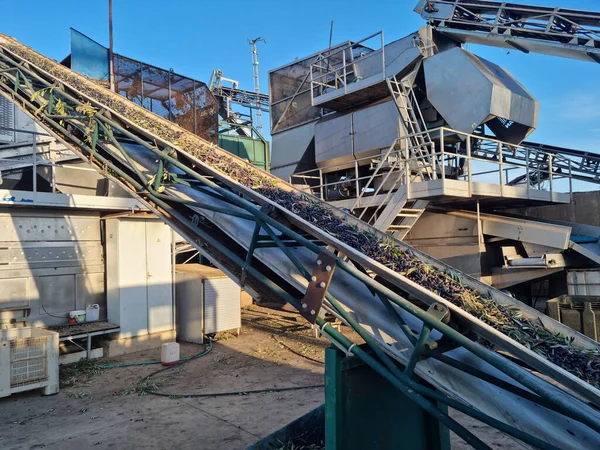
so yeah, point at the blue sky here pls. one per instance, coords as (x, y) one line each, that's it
(195, 37)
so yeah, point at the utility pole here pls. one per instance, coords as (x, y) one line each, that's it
(111, 69)
(253, 43)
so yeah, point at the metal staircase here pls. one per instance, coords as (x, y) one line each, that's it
(407, 217)
(410, 156)
(390, 169)
(420, 159)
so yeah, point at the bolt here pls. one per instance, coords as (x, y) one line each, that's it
(319, 262)
(322, 284)
(328, 268)
(312, 312)
(313, 278)
(304, 305)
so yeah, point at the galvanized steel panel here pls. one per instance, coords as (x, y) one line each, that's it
(54, 294)
(375, 128)
(50, 254)
(50, 259)
(400, 55)
(368, 65)
(189, 307)
(48, 228)
(333, 141)
(291, 151)
(90, 291)
(13, 292)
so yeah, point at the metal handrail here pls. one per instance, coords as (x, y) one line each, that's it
(383, 161)
(397, 162)
(339, 73)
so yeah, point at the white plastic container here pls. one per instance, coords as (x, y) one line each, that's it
(169, 354)
(28, 360)
(78, 315)
(92, 313)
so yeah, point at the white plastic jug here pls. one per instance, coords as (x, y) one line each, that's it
(92, 313)
(169, 353)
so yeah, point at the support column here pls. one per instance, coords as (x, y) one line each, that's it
(364, 411)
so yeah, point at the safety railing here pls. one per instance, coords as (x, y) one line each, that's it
(42, 155)
(457, 155)
(346, 65)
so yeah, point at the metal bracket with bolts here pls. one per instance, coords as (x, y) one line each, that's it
(317, 286)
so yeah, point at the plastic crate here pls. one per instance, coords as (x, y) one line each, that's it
(582, 313)
(28, 360)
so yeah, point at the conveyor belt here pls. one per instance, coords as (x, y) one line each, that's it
(273, 250)
(563, 32)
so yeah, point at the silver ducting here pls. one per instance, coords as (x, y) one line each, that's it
(468, 91)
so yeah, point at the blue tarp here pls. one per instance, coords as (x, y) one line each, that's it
(579, 239)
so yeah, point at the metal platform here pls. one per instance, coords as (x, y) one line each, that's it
(488, 170)
(461, 193)
(87, 330)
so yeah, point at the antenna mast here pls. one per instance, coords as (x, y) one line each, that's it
(253, 43)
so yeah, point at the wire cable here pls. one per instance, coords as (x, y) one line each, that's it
(235, 393)
(215, 394)
(296, 352)
(52, 315)
(149, 363)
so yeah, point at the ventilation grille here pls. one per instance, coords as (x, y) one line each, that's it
(7, 120)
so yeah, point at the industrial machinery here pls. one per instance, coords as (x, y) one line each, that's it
(282, 243)
(228, 94)
(239, 109)
(427, 141)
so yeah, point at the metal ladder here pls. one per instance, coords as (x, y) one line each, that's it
(399, 166)
(418, 138)
(407, 217)
(391, 165)
(420, 157)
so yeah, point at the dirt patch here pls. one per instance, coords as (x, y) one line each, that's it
(271, 374)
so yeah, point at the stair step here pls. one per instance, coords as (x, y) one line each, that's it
(410, 212)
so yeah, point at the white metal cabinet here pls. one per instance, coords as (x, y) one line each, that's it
(207, 302)
(159, 277)
(138, 276)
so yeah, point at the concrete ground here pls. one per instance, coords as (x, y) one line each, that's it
(105, 410)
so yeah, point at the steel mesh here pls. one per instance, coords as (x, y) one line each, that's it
(184, 101)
